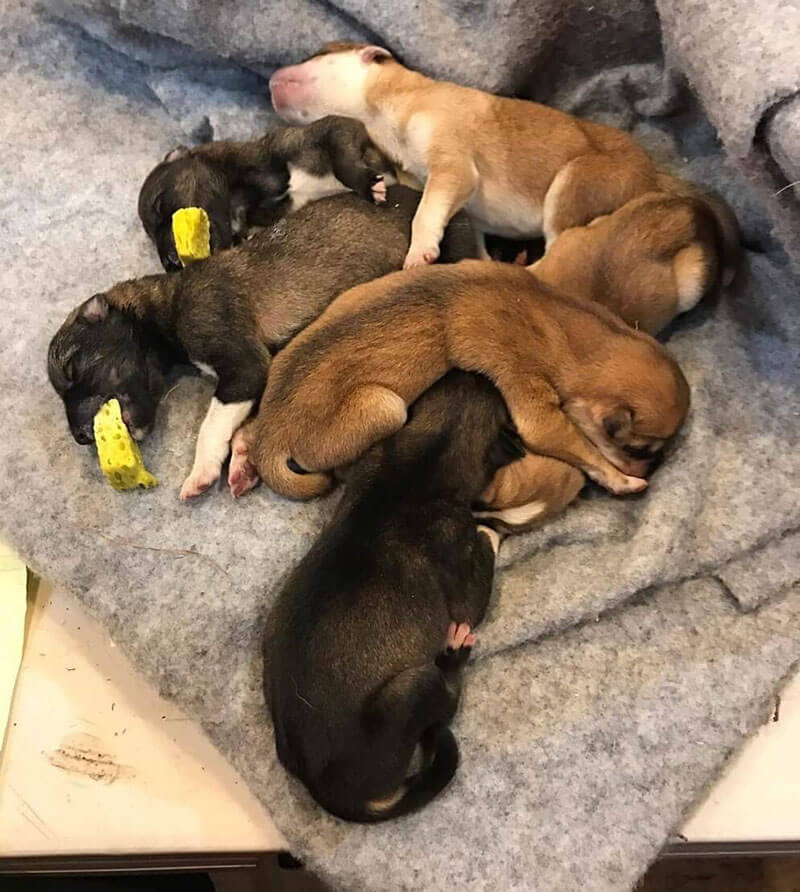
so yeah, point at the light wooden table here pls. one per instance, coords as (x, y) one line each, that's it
(100, 773)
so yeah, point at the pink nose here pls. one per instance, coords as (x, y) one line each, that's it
(291, 74)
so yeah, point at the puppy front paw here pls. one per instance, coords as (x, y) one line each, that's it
(419, 255)
(623, 485)
(199, 481)
(378, 189)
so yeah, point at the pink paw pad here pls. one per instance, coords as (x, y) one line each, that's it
(460, 635)
(242, 475)
(379, 190)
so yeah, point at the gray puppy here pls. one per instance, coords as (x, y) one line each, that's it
(228, 315)
(253, 183)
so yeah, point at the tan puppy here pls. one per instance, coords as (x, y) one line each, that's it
(520, 169)
(649, 261)
(581, 386)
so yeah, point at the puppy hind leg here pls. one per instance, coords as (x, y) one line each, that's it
(526, 492)
(242, 474)
(468, 600)
(369, 413)
(590, 186)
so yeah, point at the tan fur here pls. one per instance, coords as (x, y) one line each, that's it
(519, 168)
(546, 484)
(650, 260)
(345, 381)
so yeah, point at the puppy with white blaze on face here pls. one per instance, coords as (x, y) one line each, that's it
(520, 169)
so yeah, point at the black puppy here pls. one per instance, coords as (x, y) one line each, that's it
(365, 646)
(227, 315)
(241, 183)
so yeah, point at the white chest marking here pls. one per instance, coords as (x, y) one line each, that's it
(305, 187)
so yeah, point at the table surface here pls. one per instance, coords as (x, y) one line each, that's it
(96, 762)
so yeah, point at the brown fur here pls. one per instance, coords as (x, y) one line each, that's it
(519, 168)
(565, 368)
(648, 261)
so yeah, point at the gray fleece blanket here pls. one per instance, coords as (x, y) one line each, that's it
(581, 748)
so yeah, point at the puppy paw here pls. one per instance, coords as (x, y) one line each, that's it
(420, 255)
(625, 485)
(242, 476)
(199, 481)
(635, 467)
(378, 189)
(458, 646)
(459, 637)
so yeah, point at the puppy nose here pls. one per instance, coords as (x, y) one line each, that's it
(83, 436)
(171, 263)
(288, 74)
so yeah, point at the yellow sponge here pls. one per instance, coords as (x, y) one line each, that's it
(120, 458)
(192, 234)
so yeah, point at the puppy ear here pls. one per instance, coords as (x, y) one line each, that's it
(374, 54)
(617, 422)
(95, 309)
(177, 152)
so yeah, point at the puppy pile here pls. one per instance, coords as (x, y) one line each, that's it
(340, 354)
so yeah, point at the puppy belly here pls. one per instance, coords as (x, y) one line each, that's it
(505, 212)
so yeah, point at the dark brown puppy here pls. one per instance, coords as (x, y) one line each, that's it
(651, 260)
(253, 183)
(580, 385)
(227, 314)
(366, 643)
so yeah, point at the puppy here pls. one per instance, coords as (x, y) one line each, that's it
(366, 643)
(241, 183)
(581, 386)
(227, 314)
(520, 169)
(649, 261)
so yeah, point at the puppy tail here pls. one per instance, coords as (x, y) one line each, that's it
(729, 236)
(440, 750)
(283, 475)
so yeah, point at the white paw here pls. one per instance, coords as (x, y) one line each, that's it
(199, 481)
(379, 191)
(419, 255)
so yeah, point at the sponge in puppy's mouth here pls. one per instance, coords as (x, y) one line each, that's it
(192, 233)
(120, 459)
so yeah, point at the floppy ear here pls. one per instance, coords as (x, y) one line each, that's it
(177, 152)
(374, 54)
(95, 309)
(617, 422)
